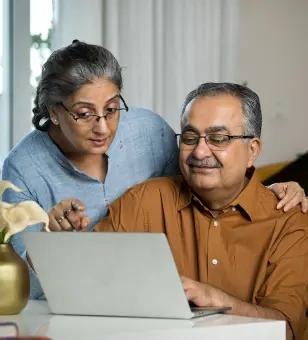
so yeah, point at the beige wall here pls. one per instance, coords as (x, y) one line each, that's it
(273, 59)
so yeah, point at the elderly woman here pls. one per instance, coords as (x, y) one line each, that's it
(88, 146)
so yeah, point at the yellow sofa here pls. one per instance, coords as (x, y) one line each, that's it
(269, 170)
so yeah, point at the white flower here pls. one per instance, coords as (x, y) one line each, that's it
(7, 185)
(16, 217)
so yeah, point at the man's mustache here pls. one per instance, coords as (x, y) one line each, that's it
(203, 163)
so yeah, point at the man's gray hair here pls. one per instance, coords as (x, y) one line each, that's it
(251, 107)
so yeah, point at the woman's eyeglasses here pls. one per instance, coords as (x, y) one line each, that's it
(90, 117)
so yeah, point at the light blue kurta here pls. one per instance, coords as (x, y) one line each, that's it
(144, 147)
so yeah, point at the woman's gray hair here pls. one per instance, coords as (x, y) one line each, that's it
(251, 107)
(66, 71)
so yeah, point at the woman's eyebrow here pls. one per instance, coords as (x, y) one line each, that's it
(112, 98)
(84, 102)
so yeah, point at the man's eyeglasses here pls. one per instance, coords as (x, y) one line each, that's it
(90, 117)
(214, 141)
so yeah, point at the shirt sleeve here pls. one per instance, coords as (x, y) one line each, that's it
(13, 174)
(285, 285)
(171, 151)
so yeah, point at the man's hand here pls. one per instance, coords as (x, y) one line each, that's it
(203, 295)
(290, 194)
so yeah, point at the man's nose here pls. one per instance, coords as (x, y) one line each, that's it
(202, 150)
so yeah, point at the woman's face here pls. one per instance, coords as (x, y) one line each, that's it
(87, 134)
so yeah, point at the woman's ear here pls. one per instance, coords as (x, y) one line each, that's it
(254, 149)
(53, 114)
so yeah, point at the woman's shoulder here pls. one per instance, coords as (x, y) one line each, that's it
(28, 148)
(137, 115)
(138, 120)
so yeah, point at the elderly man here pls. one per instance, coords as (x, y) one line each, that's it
(230, 243)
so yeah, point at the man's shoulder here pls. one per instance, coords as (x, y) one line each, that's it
(288, 230)
(163, 186)
(290, 220)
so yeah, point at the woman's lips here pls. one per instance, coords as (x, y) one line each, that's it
(98, 142)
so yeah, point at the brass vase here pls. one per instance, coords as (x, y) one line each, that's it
(14, 281)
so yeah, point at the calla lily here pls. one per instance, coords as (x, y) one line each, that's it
(16, 217)
(7, 185)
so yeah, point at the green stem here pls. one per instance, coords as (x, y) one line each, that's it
(2, 236)
(2, 233)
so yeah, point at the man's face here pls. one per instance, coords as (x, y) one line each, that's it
(206, 169)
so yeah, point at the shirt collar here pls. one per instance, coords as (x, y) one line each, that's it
(246, 200)
(185, 195)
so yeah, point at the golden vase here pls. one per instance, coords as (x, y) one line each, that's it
(14, 281)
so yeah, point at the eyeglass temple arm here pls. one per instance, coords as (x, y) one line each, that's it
(125, 105)
(240, 137)
(68, 112)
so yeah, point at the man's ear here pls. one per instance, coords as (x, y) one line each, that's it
(254, 149)
(53, 114)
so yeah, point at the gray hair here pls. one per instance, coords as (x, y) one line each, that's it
(251, 107)
(66, 71)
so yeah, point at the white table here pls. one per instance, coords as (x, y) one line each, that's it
(36, 319)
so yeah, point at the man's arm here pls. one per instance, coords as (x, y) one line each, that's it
(247, 309)
(205, 295)
(282, 290)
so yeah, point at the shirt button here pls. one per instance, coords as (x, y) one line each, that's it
(215, 224)
(233, 209)
(214, 262)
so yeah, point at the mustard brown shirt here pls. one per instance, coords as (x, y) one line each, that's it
(251, 251)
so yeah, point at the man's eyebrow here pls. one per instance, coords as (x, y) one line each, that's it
(190, 128)
(210, 129)
(217, 128)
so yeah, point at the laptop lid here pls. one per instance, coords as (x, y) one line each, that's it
(110, 274)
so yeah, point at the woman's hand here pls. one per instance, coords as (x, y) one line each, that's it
(290, 195)
(68, 215)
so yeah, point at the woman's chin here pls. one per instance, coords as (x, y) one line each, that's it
(97, 151)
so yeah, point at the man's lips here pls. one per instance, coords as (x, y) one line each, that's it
(202, 170)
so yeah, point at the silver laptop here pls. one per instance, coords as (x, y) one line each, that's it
(110, 274)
